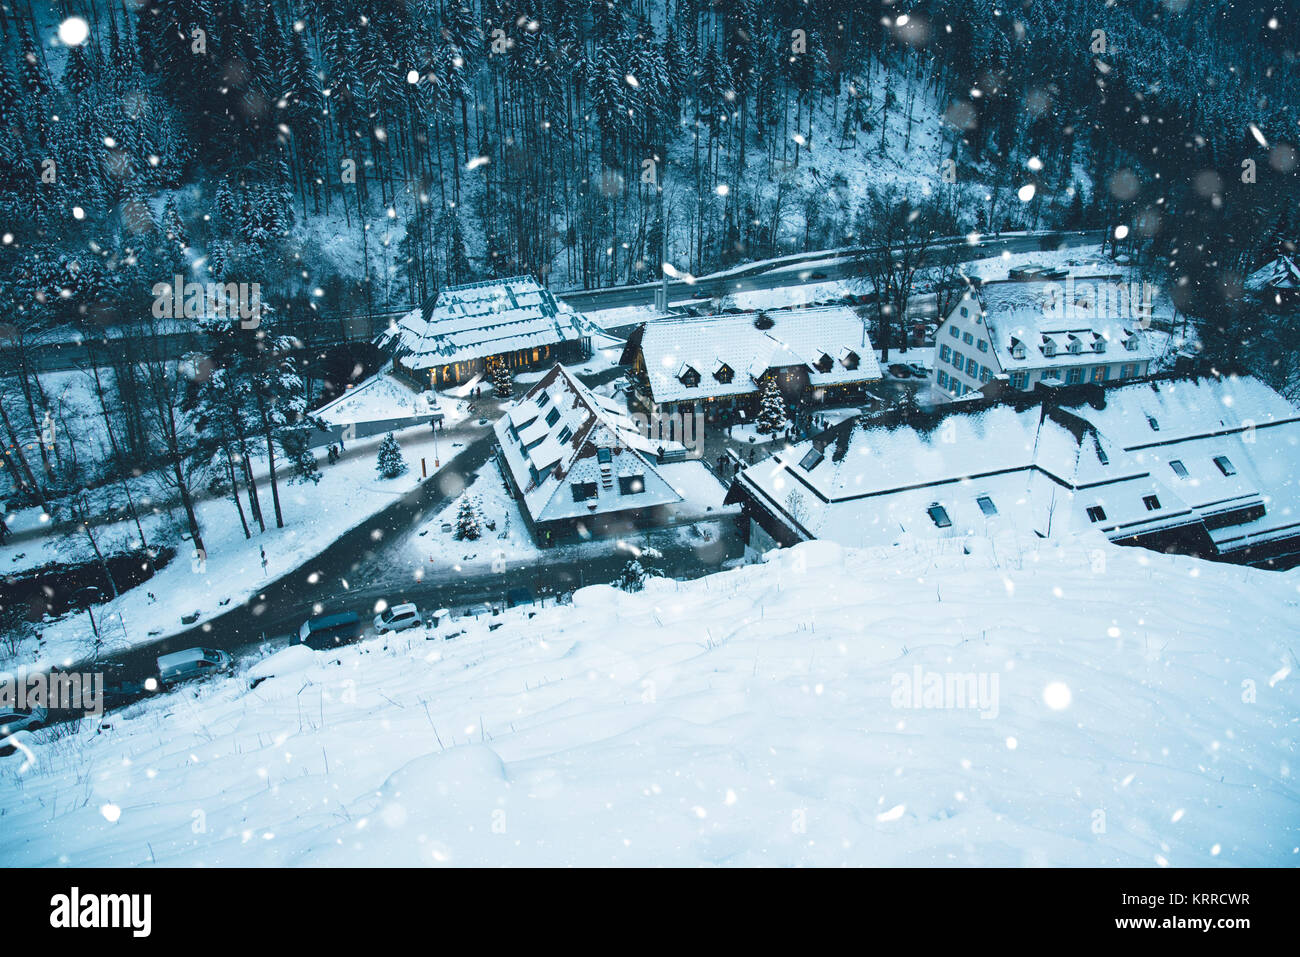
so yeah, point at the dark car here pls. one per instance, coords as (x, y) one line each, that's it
(518, 596)
(900, 371)
(329, 631)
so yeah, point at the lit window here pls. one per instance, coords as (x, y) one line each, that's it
(1096, 514)
(1100, 373)
(1179, 468)
(986, 505)
(1151, 502)
(939, 515)
(1225, 465)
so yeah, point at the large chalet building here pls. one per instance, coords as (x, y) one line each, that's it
(715, 366)
(1209, 467)
(451, 339)
(1018, 334)
(578, 464)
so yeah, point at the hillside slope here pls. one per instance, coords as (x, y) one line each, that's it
(1144, 713)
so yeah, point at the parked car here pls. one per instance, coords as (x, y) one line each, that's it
(397, 618)
(518, 596)
(477, 611)
(13, 720)
(918, 370)
(181, 666)
(900, 371)
(329, 631)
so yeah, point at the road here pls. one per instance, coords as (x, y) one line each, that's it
(769, 274)
(375, 561)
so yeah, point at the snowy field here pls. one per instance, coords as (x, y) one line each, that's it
(1132, 709)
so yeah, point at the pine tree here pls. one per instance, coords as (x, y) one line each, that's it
(390, 463)
(501, 380)
(468, 526)
(633, 577)
(771, 415)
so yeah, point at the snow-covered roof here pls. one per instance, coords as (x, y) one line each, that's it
(482, 319)
(1280, 275)
(560, 434)
(797, 337)
(1032, 325)
(1236, 444)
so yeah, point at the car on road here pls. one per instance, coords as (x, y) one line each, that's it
(329, 631)
(518, 596)
(397, 618)
(13, 720)
(181, 666)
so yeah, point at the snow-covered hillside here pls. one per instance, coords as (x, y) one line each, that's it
(1137, 709)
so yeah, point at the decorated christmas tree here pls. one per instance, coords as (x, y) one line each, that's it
(390, 463)
(468, 527)
(771, 414)
(501, 378)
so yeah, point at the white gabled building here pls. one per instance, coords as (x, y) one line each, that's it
(1084, 329)
(450, 340)
(577, 462)
(714, 365)
(1209, 467)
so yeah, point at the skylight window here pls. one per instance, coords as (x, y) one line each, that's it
(1096, 514)
(1179, 468)
(986, 505)
(1225, 465)
(939, 515)
(811, 459)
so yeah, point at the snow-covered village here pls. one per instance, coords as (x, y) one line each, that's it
(649, 433)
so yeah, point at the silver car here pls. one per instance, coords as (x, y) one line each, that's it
(397, 618)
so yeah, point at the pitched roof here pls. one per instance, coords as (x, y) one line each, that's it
(798, 337)
(552, 438)
(482, 319)
(1097, 315)
(1281, 274)
(1043, 468)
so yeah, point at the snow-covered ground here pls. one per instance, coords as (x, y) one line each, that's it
(231, 569)
(1128, 708)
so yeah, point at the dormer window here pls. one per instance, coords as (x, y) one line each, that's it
(1076, 346)
(1049, 346)
(723, 373)
(1017, 349)
(824, 363)
(688, 376)
(1098, 344)
(1131, 342)
(850, 359)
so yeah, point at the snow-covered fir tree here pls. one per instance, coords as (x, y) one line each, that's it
(390, 463)
(771, 412)
(468, 525)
